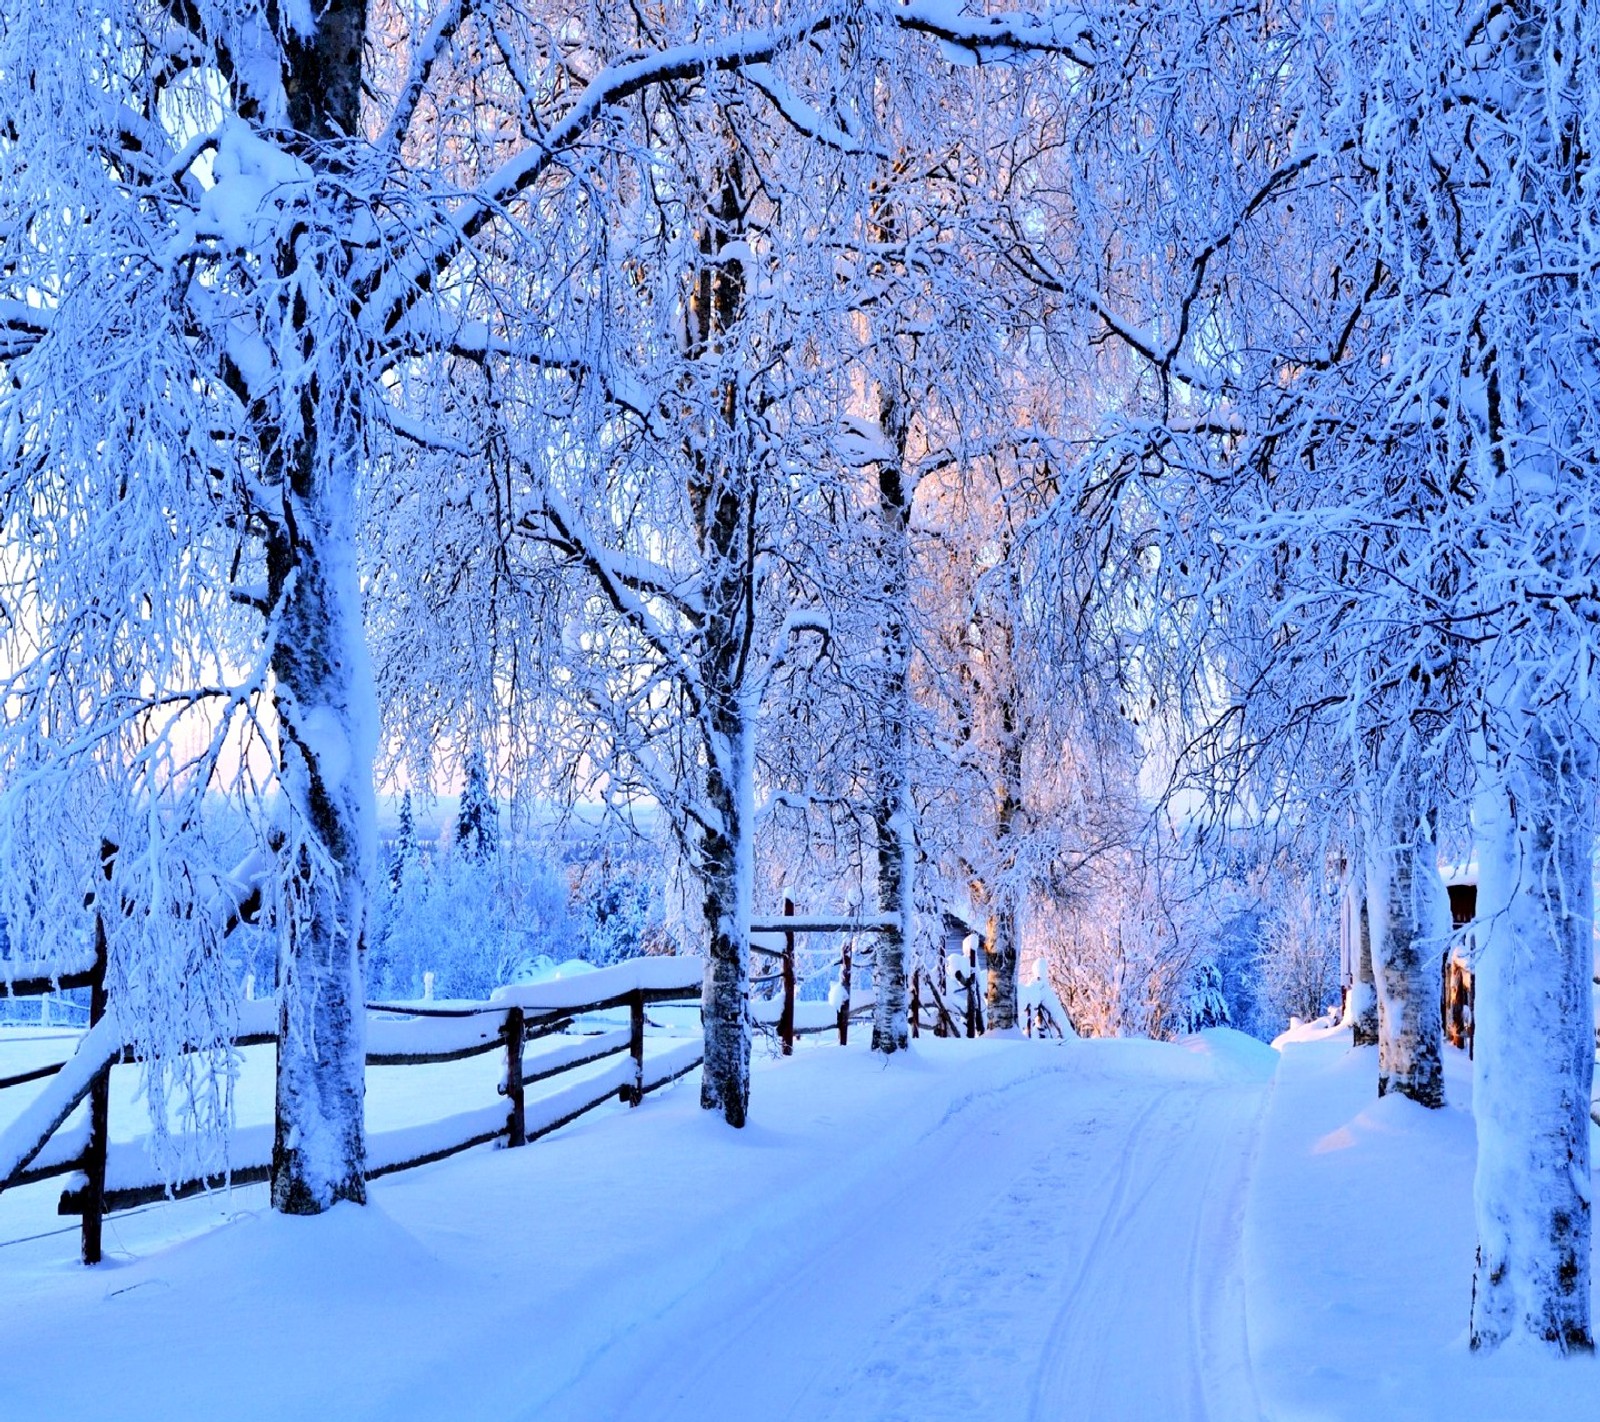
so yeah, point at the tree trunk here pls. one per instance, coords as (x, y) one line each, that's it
(890, 1005)
(1002, 925)
(1405, 897)
(893, 815)
(1001, 949)
(1533, 1010)
(1534, 1060)
(1363, 1011)
(727, 883)
(327, 719)
(327, 738)
(324, 695)
(723, 493)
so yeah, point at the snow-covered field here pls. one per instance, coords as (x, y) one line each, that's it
(998, 1229)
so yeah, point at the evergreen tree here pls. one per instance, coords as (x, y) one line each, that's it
(407, 858)
(1208, 1004)
(477, 830)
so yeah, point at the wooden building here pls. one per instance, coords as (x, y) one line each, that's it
(1455, 986)
(1456, 990)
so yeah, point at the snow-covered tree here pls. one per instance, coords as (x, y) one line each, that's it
(1478, 129)
(405, 858)
(243, 247)
(1371, 501)
(477, 819)
(1408, 918)
(1208, 1005)
(1361, 1009)
(189, 184)
(715, 417)
(474, 925)
(1300, 964)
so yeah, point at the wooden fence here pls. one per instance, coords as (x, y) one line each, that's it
(35, 1147)
(958, 1013)
(790, 1018)
(114, 1177)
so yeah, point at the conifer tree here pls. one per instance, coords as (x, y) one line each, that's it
(477, 829)
(407, 858)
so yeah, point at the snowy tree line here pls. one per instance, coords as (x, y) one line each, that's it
(462, 912)
(901, 443)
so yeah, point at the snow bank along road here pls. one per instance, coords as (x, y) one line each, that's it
(1002, 1229)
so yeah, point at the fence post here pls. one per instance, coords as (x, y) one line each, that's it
(786, 1019)
(844, 1000)
(517, 1123)
(94, 1154)
(636, 1044)
(972, 992)
(916, 1001)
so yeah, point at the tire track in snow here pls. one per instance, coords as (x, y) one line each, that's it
(854, 1321)
(1154, 1326)
(960, 1347)
(1061, 1253)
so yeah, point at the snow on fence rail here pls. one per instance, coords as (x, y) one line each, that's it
(929, 1008)
(111, 1177)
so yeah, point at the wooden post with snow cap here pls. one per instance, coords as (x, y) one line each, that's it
(786, 1018)
(844, 997)
(972, 989)
(94, 1153)
(517, 1123)
(635, 1094)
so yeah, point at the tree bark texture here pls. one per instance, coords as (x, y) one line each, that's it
(726, 889)
(325, 709)
(324, 694)
(1002, 925)
(1405, 901)
(1533, 1008)
(893, 815)
(1533, 1065)
(722, 494)
(1363, 991)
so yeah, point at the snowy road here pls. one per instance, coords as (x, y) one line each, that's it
(999, 1229)
(1006, 1230)
(1059, 1249)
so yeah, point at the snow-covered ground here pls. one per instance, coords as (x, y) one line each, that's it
(1359, 1255)
(1001, 1229)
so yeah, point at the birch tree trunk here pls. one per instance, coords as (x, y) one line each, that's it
(326, 731)
(1002, 925)
(1534, 1013)
(1533, 1065)
(722, 495)
(893, 816)
(1363, 1014)
(1404, 892)
(727, 880)
(324, 695)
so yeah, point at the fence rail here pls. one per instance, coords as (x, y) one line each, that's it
(107, 1176)
(115, 1176)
